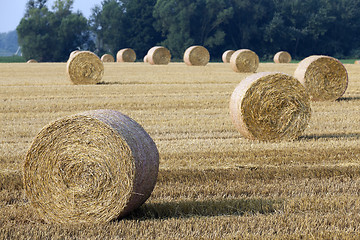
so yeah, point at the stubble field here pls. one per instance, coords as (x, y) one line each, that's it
(212, 183)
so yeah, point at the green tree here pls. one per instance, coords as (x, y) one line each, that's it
(184, 23)
(107, 22)
(50, 36)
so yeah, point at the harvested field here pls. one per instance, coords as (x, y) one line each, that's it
(212, 182)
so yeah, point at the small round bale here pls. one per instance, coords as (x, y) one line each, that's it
(146, 59)
(196, 56)
(325, 78)
(227, 56)
(244, 60)
(32, 61)
(270, 106)
(85, 67)
(91, 167)
(107, 58)
(159, 55)
(126, 55)
(282, 57)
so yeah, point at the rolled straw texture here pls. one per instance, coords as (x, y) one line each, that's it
(282, 57)
(107, 58)
(270, 107)
(159, 56)
(227, 55)
(85, 67)
(325, 78)
(32, 61)
(196, 56)
(126, 55)
(73, 53)
(244, 60)
(92, 167)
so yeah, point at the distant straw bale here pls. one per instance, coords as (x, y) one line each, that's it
(107, 58)
(282, 57)
(126, 55)
(196, 56)
(146, 59)
(85, 68)
(325, 78)
(227, 56)
(32, 61)
(270, 107)
(357, 62)
(159, 56)
(244, 60)
(91, 167)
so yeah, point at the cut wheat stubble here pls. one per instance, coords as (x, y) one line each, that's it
(91, 167)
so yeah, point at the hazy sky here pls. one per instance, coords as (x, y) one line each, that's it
(11, 11)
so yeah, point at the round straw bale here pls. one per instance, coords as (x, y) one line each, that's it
(159, 56)
(196, 56)
(227, 55)
(282, 57)
(91, 167)
(270, 107)
(107, 58)
(146, 59)
(244, 60)
(85, 68)
(126, 55)
(357, 62)
(325, 78)
(32, 61)
(73, 53)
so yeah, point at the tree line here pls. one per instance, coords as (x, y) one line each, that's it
(301, 27)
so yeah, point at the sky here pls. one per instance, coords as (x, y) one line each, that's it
(11, 11)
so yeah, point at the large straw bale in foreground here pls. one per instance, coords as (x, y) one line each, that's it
(244, 60)
(85, 67)
(89, 168)
(159, 55)
(325, 78)
(107, 58)
(270, 107)
(227, 56)
(196, 56)
(282, 57)
(126, 55)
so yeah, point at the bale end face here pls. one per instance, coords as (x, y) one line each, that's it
(84, 67)
(92, 167)
(227, 56)
(282, 57)
(107, 58)
(270, 107)
(126, 55)
(324, 77)
(196, 56)
(244, 60)
(159, 56)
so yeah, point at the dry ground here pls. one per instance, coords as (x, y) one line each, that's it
(212, 184)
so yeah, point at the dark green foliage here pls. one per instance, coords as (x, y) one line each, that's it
(301, 27)
(47, 35)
